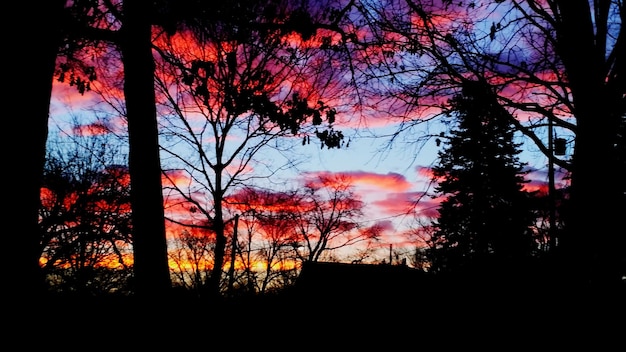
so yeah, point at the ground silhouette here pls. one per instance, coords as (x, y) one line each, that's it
(424, 313)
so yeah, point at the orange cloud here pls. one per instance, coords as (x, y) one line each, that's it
(177, 178)
(94, 129)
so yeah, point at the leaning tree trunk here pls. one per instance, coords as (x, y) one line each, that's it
(149, 237)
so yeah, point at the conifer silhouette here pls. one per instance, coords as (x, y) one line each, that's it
(485, 218)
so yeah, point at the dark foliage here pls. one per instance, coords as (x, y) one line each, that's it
(485, 219)
(85, 226)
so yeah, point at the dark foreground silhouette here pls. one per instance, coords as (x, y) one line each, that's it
(373, 308)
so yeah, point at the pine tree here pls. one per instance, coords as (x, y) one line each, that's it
(485, 218)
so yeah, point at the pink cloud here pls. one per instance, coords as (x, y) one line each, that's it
(382, 115)
(408, 203)
(384, 226)
(68, 95)
(390, 181)
(398, 203)
(424, 172)
(427, 207)
(538, 180)
(233, 168)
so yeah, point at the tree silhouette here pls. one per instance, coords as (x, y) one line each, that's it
(152, 277)
(126, 28)
(67, 29)
(485, 218)
(86, 246)
(530, 53)
(190, 252)
(327, 218)
(309, 224)
(233, 86)
(40, 38)
(265, 252)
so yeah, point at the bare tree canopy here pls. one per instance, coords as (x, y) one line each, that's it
(549, 63)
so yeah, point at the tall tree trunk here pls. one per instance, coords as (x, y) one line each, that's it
(594, 242)
(36, 36)
(151, 269)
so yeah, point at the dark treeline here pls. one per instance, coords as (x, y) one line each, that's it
(403, 51)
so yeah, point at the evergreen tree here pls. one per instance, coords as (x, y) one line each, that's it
(485, 218)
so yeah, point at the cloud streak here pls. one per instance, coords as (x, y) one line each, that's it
(387, 182)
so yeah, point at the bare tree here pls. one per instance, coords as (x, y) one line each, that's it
(121, 34)
(286, 228)
(190, 251)
(327, 218)
(86, 245)
(267, 252)
(226, 97)
(529, 55)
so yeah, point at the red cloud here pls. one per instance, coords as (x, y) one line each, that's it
(539, 186)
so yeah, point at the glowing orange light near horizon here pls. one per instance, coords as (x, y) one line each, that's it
(94, 129)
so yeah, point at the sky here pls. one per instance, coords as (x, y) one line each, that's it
(389, 178)
(393, 180)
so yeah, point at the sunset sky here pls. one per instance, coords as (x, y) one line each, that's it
(392, 179)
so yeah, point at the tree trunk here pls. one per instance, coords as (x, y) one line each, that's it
(219, 227)
(594, 242)
(35, 36)
(151, 269)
